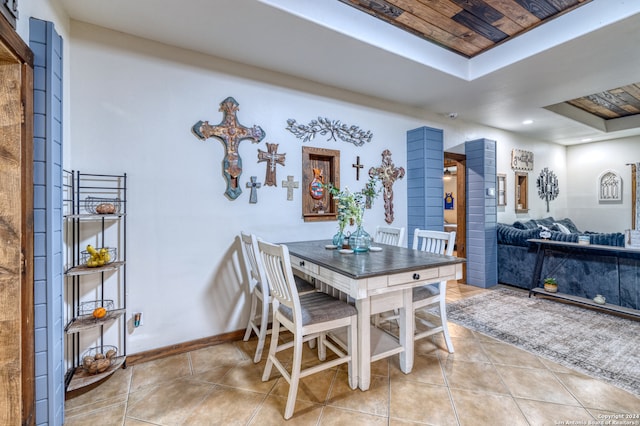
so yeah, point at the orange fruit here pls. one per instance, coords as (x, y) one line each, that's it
(99, 312)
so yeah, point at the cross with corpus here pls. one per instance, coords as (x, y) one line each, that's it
(253, 197)
(231, 133)
(388, 174)
(290, 184)
(272, 158)
(357, 166)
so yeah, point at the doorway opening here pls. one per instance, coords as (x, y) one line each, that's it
(455, 213)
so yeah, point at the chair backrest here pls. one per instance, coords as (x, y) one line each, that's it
(389, 235)
(438, 242)
(279, 275)
(253, 261)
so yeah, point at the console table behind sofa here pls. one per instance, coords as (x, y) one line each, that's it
(613, 272)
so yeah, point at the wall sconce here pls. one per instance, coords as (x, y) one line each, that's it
(447, 174)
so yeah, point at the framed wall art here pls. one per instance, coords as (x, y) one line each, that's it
(320, 167)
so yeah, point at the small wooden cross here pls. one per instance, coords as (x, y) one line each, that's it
(388, 174)
(231, 133)
(290, 184)
(272, 158)
(357, 166)
(253, 197)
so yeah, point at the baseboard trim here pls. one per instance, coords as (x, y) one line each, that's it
(184, 347)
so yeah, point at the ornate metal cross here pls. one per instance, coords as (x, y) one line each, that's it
(388, 174)
(272, 158)
(357, 166)
(290, 184)
(231, 133)
(253, 185)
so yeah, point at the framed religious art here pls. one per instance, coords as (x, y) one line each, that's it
(320, 167)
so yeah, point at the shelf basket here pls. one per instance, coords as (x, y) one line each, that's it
(91, 365)
(85, 310)
(97, 205)
(85, 257)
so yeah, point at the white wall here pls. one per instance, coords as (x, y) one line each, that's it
(129, 107)
(584, 164)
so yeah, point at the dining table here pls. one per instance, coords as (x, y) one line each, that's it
(378, 280)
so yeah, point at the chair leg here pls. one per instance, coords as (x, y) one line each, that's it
(252, 316)
(295, 376)
(264, 322)
(273, 347)
(322, 348)
(445, 325)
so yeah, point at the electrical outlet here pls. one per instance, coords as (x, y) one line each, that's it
(137, 319)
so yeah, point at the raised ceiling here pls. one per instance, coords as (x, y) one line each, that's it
(467, 27)
(589, 48)
(615, 103)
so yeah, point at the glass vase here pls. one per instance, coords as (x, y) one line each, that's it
(360, 240)
(338, 239)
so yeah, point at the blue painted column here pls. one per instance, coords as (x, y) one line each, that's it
(46, 45)
(482, 247)
(425, 189)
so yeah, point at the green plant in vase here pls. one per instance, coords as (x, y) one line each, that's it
(350, 210)
(550, 285)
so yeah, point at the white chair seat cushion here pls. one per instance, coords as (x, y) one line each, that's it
(302, 285)
(425, 292)
(320, 307)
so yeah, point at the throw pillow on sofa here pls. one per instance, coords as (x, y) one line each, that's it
(562, 228)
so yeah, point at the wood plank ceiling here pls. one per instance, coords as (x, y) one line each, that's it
(467, 27)
(470, 27)
(615, 103)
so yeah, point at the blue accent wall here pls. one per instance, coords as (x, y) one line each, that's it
(46, 45)
(425, 163)
(482, 246)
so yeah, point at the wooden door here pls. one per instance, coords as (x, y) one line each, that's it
(459, 161)
(17, 392)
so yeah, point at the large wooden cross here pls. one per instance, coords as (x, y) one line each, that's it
(272, 158)
(388, 174)
(231, 133)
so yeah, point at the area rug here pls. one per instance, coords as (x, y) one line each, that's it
(598, 344)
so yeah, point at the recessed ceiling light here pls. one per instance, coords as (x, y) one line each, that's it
(527, 122)
(586, 140)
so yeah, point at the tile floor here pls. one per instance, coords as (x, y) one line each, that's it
(485, 382)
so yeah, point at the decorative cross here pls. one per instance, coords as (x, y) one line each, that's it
(357, 166)
(253, 185)
(231, 133)
(388, 174)
(290, 184)
(272, 158)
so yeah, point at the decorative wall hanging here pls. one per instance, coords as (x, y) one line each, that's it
(290, 185)
(547, 186)
(448, 201)
(319, 166)
(273, 159)
(388, 174)
(231, 133)
(521, 160)
(323, 126)
(253, 185)
(609, 186)
(501, 183)
(357, 166)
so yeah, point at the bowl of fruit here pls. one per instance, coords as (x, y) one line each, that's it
(98, 359)
(93, 257)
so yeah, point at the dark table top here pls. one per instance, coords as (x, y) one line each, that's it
(390, 260)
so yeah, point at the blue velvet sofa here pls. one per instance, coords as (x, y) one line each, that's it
(583, 274)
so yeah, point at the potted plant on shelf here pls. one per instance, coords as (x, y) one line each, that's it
(550, 285)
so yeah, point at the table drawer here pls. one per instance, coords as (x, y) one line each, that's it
(304, 265)
(414, 276)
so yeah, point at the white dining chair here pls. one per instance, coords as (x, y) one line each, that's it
(308, 316)
(390, 235)
(438, 242)
(259, 293)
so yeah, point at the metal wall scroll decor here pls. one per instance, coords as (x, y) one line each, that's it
(388, 173)
(547, 186)
(272, 158)
(231, 133)
(521, 160)
(334, 128)
(609, 186)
